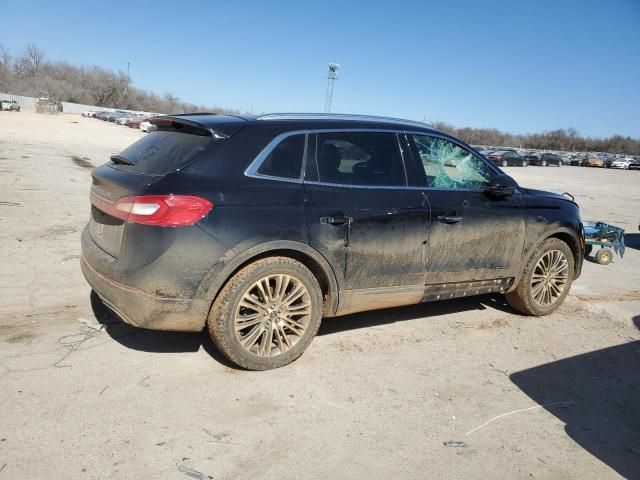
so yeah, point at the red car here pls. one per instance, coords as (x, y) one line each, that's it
(135, 122)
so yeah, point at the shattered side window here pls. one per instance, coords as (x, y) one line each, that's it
(446, 165)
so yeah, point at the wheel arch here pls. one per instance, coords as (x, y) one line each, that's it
(565, 234)
(224, 269)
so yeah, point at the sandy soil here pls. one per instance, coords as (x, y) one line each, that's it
(459, 389)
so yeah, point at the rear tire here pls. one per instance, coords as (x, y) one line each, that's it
(546, 280)
(267, 314)
(524, 163)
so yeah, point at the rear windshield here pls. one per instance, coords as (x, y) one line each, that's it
(161, 152)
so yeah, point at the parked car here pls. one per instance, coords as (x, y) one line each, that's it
(564, 159)
(622, 163)
(550, 159)
(10, 105)
(146, 126)
(257, 227)
(576, 160)
(607, 159)
(634, 164)
(113, 117)
(506, 158)
(543, 159)
(123, 119)
(136, 121)
(592, 162)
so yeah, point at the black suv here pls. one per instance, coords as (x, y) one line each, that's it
(544, 159)
(257, 227)
(507, 158)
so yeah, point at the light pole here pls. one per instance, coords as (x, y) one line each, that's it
(333, 74)
(126, 86)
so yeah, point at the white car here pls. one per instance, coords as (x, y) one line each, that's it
(10, 105)
(146, 126)
(123, 120)
(622, 163)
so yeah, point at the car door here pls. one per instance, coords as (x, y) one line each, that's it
(365, 219)
(475, 241)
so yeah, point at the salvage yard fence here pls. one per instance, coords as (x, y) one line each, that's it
(29, 103)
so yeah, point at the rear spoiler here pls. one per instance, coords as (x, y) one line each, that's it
(217, 126)
(173, 123)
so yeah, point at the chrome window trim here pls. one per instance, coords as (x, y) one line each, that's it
(344, 117)
(254, 166)
(378, 187)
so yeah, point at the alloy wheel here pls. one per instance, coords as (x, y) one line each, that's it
(273, 315)
(550, 278)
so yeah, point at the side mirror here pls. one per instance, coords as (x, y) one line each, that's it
(502, 186)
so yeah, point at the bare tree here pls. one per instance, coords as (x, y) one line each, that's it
(35, 56)
(172, 101)
(5, 56)
(30, 62)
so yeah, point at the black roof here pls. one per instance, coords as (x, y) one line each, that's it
(225, 124)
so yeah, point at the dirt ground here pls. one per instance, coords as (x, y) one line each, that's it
(458, 389)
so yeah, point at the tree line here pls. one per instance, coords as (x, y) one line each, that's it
(567, 140)
(30, 73)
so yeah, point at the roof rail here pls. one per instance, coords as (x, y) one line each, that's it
(341, 116)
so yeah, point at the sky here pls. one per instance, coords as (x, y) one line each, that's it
(519, 66)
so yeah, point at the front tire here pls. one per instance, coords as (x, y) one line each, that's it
(543, 163)
(267, 314)
(504, 163)
(546, 279)
(524, 163)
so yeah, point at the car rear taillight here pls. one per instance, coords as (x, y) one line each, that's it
(160, 210)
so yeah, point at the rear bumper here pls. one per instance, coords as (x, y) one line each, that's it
(141, 309)
(145, 310)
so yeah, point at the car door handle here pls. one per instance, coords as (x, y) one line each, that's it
(334, 220)
(448, 219)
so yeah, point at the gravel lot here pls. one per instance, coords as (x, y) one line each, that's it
(402, 393)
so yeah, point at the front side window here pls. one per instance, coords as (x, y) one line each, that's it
(360, 158)
(449, 166)
(285, 160)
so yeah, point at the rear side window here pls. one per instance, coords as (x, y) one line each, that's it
(285, 160)
(360, 158)
(161, 152)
